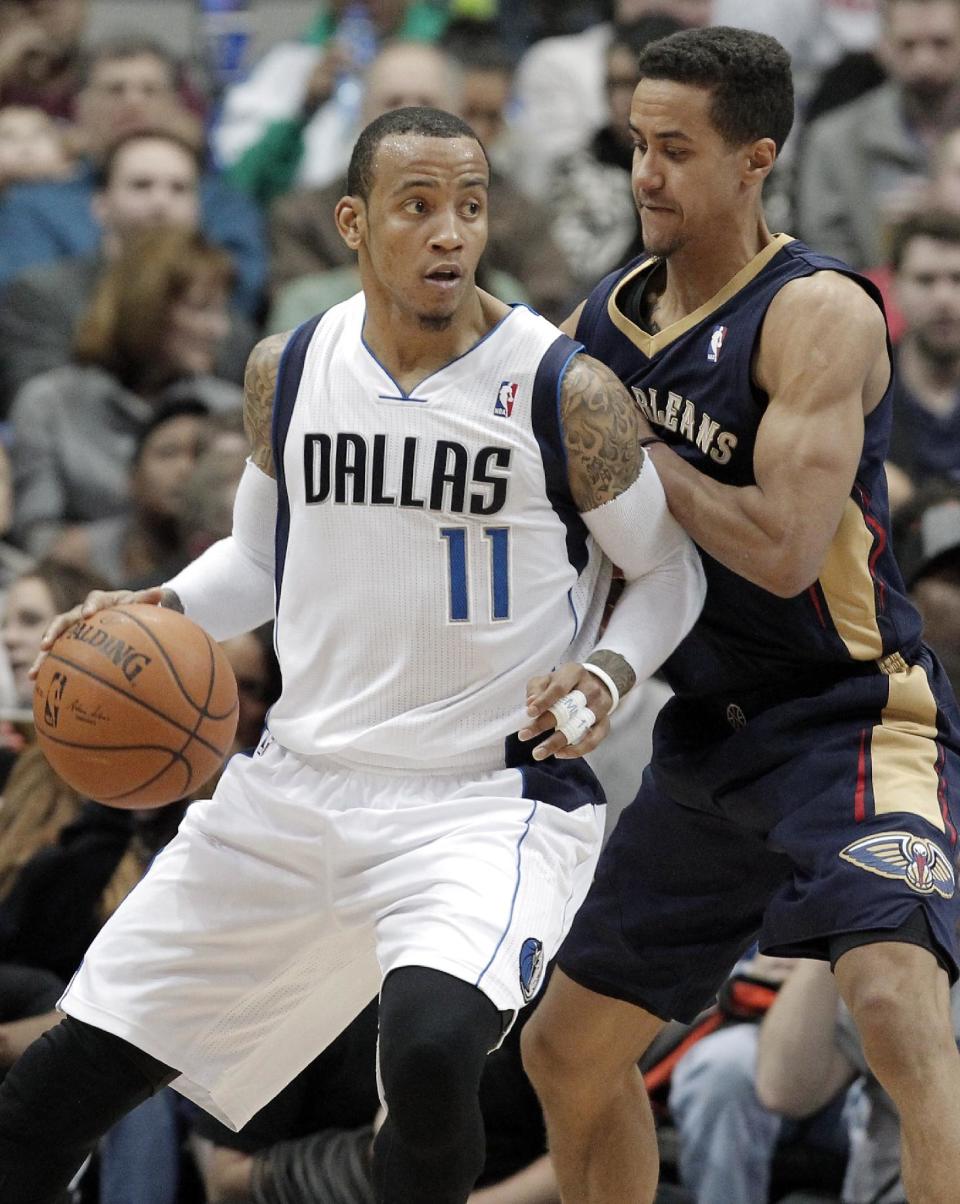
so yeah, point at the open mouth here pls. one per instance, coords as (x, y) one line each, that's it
(447, 275)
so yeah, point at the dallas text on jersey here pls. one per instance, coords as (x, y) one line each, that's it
(345, 468)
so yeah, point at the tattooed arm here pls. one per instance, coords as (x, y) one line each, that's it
(601, 430)
(259, 385)
(616, 488)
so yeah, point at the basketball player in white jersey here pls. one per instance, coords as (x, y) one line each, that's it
(437, 487)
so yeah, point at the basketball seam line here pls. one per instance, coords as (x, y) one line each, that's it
(173, 670)
(174, 755)
(58, 657)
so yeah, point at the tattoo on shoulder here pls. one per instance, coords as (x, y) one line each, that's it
(259, 383)
(601, 430)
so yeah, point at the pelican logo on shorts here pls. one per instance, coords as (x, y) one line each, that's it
(918, 862)
(717, 336)
(51, 704)
(507, 395)
(531, 967)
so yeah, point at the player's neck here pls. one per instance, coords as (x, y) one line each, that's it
(700, 269)
(410, 349)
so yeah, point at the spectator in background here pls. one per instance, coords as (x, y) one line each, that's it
(925, 437)
(293, 120)
(594, 217)
(810, 1050)
(560, 87)
(148, 537)
(315, 269)
(129, 84)
(817, 33)
(866, 163)
(149, 180)
(31, 147)
(40, 53)
(149, 338)
(210, 491)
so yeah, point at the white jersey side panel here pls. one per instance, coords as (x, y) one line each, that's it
(429, 558)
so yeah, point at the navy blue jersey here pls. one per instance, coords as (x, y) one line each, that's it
(694, 383)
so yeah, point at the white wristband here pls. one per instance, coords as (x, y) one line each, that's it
(607, 680)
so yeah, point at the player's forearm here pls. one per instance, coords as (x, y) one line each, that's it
(799, 1066)
(654, 613)
(737, 527)
(665, 586)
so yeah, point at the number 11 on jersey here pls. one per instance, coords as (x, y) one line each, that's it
(458, 557)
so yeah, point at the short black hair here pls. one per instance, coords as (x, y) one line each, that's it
(748, 73)
(940, 225)
(188, 407)
(428, 123)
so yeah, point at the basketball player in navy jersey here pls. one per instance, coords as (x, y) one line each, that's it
(804, 780)
(437, 488)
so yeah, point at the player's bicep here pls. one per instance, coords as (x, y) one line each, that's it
(259, 386)
(818, 356)
(601, 432)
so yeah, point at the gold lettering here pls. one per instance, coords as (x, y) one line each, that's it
(674, 401)
(688, 423)
(707, 433)
(724, 450)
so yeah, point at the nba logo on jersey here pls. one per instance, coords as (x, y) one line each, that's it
(716, 343)
(505, 399)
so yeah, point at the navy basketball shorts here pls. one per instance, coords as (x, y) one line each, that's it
(806, 820)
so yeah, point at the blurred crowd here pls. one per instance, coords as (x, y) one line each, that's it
(158, 216)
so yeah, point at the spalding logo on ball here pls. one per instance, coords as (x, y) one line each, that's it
(135, 706)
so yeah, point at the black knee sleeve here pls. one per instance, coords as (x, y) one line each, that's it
(435, 1033)
(62, 1095)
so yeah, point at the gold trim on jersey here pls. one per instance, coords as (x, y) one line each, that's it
(903, 750)
(848, 588)
(650, 344)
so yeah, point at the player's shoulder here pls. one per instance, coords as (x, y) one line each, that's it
(829, 298)
(265, 356)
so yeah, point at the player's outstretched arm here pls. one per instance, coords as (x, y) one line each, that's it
(823, 362)
(621, 500)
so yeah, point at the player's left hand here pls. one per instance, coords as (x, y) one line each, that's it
(544, 692)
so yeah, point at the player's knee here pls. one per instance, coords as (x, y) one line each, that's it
(903, 1022)
(435, 1033)
(549, 1058)
(430, 1092)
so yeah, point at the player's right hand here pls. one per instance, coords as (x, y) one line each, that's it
(98, 599)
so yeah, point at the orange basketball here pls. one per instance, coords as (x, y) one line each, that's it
(135, 706)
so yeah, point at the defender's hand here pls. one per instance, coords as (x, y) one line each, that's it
(545, 692)
(98, 599)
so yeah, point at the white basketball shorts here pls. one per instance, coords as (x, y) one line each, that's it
(272, 917)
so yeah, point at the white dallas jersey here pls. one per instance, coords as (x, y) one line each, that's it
(430, 558)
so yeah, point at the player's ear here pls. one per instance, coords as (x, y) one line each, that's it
(760, 158)
(351, 217)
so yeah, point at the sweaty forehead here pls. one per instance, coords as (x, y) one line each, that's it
(401, 157)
